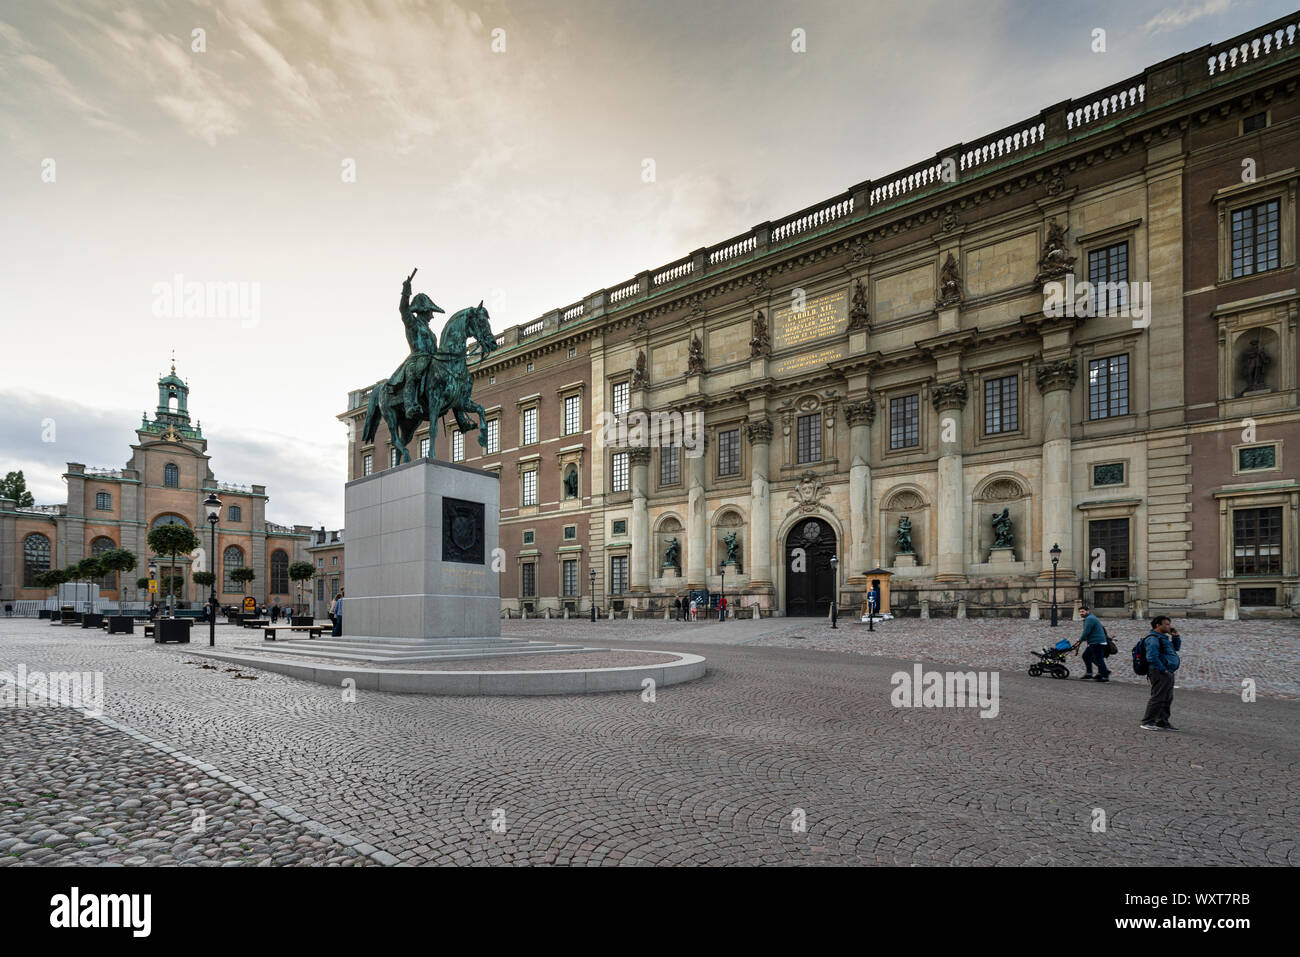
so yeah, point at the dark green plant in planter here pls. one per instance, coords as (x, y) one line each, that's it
(204, 579)
(300, 572)
(173, 540)
(242, 575)
(117, 561)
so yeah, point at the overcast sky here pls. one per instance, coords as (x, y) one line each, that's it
(513, 176)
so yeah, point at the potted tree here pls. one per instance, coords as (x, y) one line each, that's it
(173, 540)
(205, 580)
(88, 569)
(119, 561)
(51, 579)
(300, 572)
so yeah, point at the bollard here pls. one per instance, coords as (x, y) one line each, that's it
(1230, 612)
(925, 608)
(1034, 614)
(611, 614)
(756, 614)
(629, 614)
(961, 609)
(566, 612)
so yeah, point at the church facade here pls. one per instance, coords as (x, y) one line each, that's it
(1065, 352)
(165, 481)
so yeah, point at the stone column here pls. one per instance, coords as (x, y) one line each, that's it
(696, 518)
(760, 503)
(860, 413)
(1055, 380)
(949, 401)
(639, 462)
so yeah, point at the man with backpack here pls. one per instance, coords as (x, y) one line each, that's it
(1159, 661)
(1095, 654)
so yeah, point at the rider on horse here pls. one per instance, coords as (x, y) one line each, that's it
(410, 381)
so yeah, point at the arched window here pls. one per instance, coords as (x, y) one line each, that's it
(171, 475)
(168, 519)
(97, 548)
(103, 501)
(279, 573)
(36, 558)
(232, 558)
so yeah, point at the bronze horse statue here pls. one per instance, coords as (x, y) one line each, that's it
(431, 382)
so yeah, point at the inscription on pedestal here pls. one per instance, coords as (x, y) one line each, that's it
(462, 531)
(822, 317)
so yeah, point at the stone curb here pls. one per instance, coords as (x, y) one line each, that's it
(687, 667)
(276, 807)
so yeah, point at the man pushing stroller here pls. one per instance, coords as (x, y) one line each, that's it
(1095, 654)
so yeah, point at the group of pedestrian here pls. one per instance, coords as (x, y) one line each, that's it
(336, 614)
(691, 608)
(1156, 655)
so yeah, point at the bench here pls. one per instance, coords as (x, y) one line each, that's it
(255, 622)
(313, 631)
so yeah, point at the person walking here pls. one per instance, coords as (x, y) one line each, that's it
(694, 612)
(1161, 647)
(1095, 654)
(336, 613)
(677, 609)
(275, 613)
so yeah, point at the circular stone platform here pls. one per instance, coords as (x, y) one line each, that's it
(486, 676)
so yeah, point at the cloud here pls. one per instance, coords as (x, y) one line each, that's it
(1174, 18)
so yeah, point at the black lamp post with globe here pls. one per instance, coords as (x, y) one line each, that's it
(835, 584)
(1056, 559)
(212, 506)
(593, 595)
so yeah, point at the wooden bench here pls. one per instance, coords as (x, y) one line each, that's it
(314, 631)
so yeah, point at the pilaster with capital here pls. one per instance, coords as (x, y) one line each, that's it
(860, 414)
(639, 465)
(759, 432)
(1056, 379)
(949, 399)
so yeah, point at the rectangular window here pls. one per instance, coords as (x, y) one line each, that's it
(619, 527)
(236, 514)
(320, 563)
(1112, 473)
(1108, 387)
(1257, 458)
(618, 575)
(570, 577)
(320, 590)
(1256, 122)
(424, 448)
(528, 579)
(670, 465)
(1259, 597)
(334, 560)
(1256, 242)
(458, 446)
(1108, 273)
(810, 438)
(103, 501)
(619, 469)
(905, 422)
(729, 452)
(570, 533)
(1257, 541)
(529, 537)
(494, 436)
(530, 487)
(530, 426)
(622, 398)
(367, 464)
(572, 414)
(1111, 536)
(1001, 405)
(392, 457)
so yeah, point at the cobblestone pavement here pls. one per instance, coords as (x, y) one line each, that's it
(1216, 654)
(715, 771)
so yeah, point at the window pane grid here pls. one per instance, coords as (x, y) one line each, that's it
(1257, 541)
(1107, 266)
(810, 438)
(458, 446)
(1256, 238)
(1001, 405)
(570, 578)
(622, 399)
(729, 452)
(618, 575)
(530, 426)
(528, 579)
(572, 415)
(670, 465)
(1111, 535)
(1108, 387)
(904, 422)
(620, 471)
(530, 488)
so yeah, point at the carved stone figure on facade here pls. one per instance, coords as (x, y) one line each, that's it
(905, 536)
(858, 314)
(673, 554)
(1054, 263)
(760, 344)
(571, 482)
(733, 548)
(695, 357)
(638, 377)
(949, 283)
(1003, 537)
(1254, 367)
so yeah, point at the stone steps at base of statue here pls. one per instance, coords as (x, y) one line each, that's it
(430, 649)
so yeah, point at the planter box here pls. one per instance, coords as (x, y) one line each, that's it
(303, 620)
(172, 629)
(121, 625)
(44, 613)
(90, 620)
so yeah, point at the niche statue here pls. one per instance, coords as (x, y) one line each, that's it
(905, 536)
(1002, 534)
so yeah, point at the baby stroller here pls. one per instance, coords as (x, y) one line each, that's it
(1052, 660)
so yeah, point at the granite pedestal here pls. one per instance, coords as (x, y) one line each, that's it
(418, 542)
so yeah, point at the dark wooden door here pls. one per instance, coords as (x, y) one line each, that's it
(809, 578)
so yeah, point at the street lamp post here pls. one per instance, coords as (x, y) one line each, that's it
(871, 608)
(722, 595)
(592, 573)
(835, 579)
(1056, 558)
(212, 506)
(153, 577)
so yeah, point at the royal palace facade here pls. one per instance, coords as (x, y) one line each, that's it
(165, 481)
(1078, 331)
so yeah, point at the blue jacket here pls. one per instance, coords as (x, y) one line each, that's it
(1162, 651)
(1093, 632)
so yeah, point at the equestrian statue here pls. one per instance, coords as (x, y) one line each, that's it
(431, 382)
